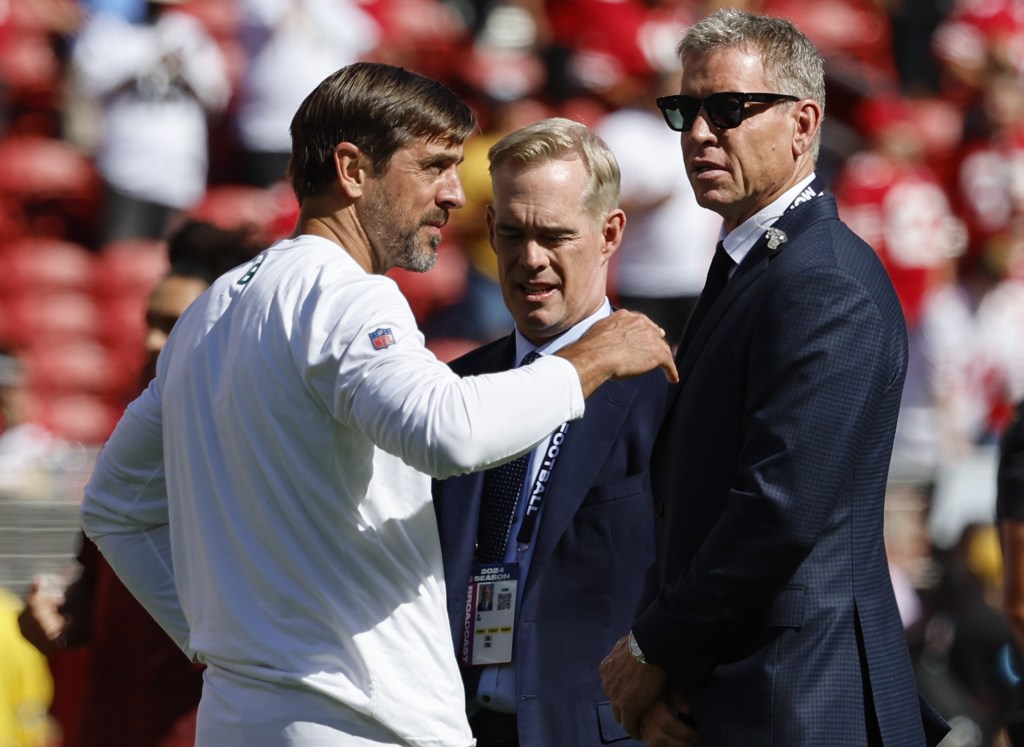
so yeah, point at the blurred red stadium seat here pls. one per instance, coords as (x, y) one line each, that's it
(129, 268)
(57, 186)
(122, 322)
(448, 349)
(270, 213)
(70, 367)
(40, 264)
(79, 417)
(54, 317)
(12, 220)
(29, 66)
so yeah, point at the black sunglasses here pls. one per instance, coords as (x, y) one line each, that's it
(724, 110)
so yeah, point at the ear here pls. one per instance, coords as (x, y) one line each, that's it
(489, 215)
(612, 230)
(808, 122)
(350, 169)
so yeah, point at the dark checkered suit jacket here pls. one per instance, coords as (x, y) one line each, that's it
(771, 602)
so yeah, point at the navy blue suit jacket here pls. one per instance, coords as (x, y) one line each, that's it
(592, 548)
(771, 602)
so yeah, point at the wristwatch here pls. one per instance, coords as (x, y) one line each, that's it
(634, 648)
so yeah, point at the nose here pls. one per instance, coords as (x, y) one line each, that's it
(451, 196)
(532, 256)
(701, 129)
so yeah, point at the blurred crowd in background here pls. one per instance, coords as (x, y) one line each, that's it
(119, 119)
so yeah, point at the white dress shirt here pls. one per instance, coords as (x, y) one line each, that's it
(741, 239)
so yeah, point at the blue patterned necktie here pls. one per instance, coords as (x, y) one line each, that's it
(502, 486)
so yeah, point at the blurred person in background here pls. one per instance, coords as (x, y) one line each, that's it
(972, 39)
(26, 685)
(290, 46)
(890, 196)
(989, 194)
(664, 256)
(1010, 521)
(963, 649)
(139, 689)
(27, 448)
(155, 84)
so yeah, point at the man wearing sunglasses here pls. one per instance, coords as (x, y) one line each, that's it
(769, 618)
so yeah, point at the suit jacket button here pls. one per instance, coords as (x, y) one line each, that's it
(659, 509)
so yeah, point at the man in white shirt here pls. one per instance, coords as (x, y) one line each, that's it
(268, 499)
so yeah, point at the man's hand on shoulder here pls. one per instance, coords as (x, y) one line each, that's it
(621, 346)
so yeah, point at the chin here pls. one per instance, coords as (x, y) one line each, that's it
(539, 329)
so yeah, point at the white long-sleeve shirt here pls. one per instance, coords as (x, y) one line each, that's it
(282, 460)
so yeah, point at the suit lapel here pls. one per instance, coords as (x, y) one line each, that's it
(586, 447)
(754, 265)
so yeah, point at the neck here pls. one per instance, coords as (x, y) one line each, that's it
(324, 218)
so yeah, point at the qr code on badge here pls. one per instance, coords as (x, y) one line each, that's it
(504, 600)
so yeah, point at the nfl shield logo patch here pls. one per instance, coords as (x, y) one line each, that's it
(382, 338)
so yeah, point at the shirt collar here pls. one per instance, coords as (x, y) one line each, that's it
(741, 240)
(571, 335)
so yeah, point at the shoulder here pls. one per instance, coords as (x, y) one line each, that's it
(489, 357)
(645, 395)
(825, 270)
(819, 241)
(318, 266)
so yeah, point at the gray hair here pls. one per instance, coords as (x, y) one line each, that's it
(790, 60)
(558, 138)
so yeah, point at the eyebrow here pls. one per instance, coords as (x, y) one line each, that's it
(548, 230)
(444, 156)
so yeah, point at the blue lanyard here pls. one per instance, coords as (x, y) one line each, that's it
(538, 493)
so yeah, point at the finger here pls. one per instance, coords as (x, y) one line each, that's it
(669, 367)
(631, 724)
(660, 729)
(33, 589)
(683, 717)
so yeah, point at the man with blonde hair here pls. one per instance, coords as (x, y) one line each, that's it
(577, 534)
